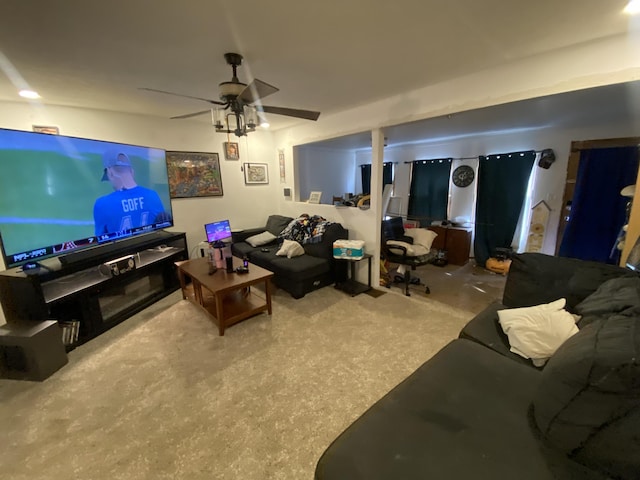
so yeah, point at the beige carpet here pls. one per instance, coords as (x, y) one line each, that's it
(162, 396)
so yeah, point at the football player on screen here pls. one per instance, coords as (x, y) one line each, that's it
(129, 206)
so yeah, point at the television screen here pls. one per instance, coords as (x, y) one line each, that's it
(217, 231)
(60, 194)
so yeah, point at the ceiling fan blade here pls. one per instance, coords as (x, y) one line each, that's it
(215, 102)
(291, 112)
(256, 90)
(189, 115)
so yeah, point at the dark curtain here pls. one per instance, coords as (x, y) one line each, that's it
(365, 174)
(502, 187)
(429, 190)
(598, 211)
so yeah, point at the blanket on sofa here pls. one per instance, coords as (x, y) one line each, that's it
(305, 229)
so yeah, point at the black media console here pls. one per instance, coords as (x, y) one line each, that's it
(79, 289)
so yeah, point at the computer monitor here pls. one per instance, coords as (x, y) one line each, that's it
(217, 231)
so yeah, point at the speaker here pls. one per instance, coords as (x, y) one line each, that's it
(118, 266)
(547, 157)
(229, 264)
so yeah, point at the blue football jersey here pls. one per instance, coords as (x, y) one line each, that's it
(123, 210)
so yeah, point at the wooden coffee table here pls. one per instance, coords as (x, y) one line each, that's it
(226, 297)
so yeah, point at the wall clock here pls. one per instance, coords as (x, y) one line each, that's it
(463, 176)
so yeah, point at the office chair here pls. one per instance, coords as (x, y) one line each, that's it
(408, 248)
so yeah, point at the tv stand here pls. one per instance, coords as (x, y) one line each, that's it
(83, 292)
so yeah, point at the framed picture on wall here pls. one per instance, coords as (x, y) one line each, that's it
(314, 197)
(231, 151)
(194, 174)
(256, 173)
(46, 129)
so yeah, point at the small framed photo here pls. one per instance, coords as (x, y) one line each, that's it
(315, 197)
(231, 151)
(256, 173)
(46, 129)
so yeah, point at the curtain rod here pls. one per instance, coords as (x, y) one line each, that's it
(470, 158)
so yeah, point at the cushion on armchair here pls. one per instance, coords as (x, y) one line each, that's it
(421, 236)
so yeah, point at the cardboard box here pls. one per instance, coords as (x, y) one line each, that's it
(348, 249)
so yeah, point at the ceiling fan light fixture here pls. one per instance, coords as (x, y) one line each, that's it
(632, 8)
(231, 89)
(250, 116)
(239, 123)
(28, 94)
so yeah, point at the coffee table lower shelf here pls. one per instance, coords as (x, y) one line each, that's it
(236, 306)
(228, 298)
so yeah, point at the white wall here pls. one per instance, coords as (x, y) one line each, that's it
(325, 170)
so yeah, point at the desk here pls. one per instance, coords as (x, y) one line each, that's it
(350, 285)
(226, 297)
(455, 240)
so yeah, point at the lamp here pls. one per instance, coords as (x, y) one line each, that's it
(236, 118)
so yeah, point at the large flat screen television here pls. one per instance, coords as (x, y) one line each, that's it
(59, 194)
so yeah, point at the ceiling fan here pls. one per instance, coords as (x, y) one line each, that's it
(237, 112)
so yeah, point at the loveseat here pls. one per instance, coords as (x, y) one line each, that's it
(298, 275)
(477, 410)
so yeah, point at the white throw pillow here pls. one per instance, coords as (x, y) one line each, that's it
(261, 239)
(412, 250)
(537, 332)
(290, 248)
(421, 236)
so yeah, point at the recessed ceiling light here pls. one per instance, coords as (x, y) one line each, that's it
(28, 94)
(264, 123)
(632, 8)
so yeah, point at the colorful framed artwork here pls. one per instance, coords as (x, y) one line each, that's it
(256, 173)
(231, 151)
(194, 174)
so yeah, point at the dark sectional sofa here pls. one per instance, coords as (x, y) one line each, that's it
(298, 275)
(477, 411)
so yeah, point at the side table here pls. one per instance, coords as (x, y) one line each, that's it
(351, 285)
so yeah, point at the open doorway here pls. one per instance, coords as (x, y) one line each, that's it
(594, 210)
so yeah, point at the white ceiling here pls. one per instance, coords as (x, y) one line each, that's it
(614, 104)
(326, 56)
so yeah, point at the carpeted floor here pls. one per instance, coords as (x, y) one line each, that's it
(162, 396)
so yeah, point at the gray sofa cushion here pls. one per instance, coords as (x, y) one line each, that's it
(277, 223)
(588, 403)
(302, 267)
(461, 415)
(535, 278)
